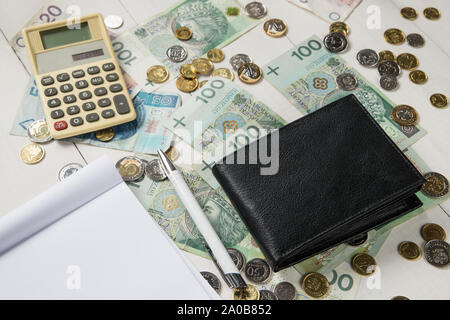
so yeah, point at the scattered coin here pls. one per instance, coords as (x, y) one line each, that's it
(237, 257)
(188, 71)
(155, 171)
(32, 153)
(130, 168)
(439, 100)
(409, 13)
(183, 33)
(213, 281)
(364, 264)
(275, 28)
(315, 285)
(394, 36)
(409, 250)
(389, 68)
(249, 293)
(335, 42)
(415, 40)
(255, 10)
(418, 77)
(176, 53)
(432, 13)
(113, 22)
(341, 27)
(389, 83)
(386, 55)
(105, 135)
(224, 73)
(358, 240)
(232, 11)
(347, 82)
(400, 298)
(202, 83)
(215, 55)
(186, 85)
(437, 253)
(368, 57)
(407, 61)
(203, 66)
(157, 74)
(257, 270)
(38, 132)
(405, 115)
(173, 153)
(436, 185)
(267, 295)
(238, 60)
(432, 231)
(285, 291)
(68, 170)
(249, 73)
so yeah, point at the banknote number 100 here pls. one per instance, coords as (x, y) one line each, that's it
(209, 93)
(306, 51)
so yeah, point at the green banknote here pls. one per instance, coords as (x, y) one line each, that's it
(306, 76)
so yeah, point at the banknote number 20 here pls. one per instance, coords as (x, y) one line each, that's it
(306, 51)
(209, 93)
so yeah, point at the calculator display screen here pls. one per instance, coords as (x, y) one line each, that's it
(64, 36)
(88, 54)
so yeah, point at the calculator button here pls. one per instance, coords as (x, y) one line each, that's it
(73, 110)
(112, 77)
(121, 103)
(46, 81)
(108, 67)
(88, 106)
(92, 117)
(100, 91)
(50, 92)
(54, 103)
(66, 88)
(78, 73)
(62, 77)
(56, 114)
(70, 99)
(96, 81)
(108, 113)
(78, 121)
(85, 95)
(81, 84)
(116, 87)
(60, 125)
(93, 70)
(104, 102)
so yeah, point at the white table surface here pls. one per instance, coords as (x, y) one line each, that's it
(417, 280)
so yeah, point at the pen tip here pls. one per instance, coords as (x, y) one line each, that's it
(167, 164)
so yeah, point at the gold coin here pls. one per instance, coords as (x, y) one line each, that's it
(387, 55)
(394, 36)
(215, 55)
(224, 73)
(341, 27)
(249, 73)
(173, 153)
(157, 74)
(436, 185)
(432, 13)
(202, 83)
(187, 71)
(409, 13)
(439, 100)
(32, 153)
(407, 61)
(364, 264)
(275, 28)
(187, 85)
(400, 298)
(105, 135)
(315, 285)
(202, 66)
(432, 231)
(183, 33)
(249, 293)
(409, 250)
(418, 77)
(405, 115)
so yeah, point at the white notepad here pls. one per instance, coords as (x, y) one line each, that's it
(89, 238)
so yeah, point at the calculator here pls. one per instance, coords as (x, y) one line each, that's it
(78, 77)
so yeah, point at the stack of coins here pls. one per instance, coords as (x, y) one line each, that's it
(39, 134)
(336, 41)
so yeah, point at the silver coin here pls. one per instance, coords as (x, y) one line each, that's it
(113, 22)
(285, 291)
(155, 171)
(255, 10)
(38, 132)
(347, 82)
(131, 169)
(389, 68)
(237, 257)
(415, 40)
(176, 53)
(238, 60)
(68, 170)
(267, 295)
(437, 253)
(389, 83)
(368, 57)
(358, 240)
(213, 281)
(257, 270)
(335, 42)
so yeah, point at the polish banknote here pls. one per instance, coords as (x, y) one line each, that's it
(328, 10)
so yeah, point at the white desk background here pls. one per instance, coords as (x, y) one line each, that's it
(416, 280)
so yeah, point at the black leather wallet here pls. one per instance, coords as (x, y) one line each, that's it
(339, 175)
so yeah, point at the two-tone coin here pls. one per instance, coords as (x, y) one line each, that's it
(409, 250)
(437, 253)
(389, 68)
(203, 66)
(432, 231)
(418, 77)
(113, 22)
(387, 55)
(439, 100)
(105, 135)
(237, 257)
(407, 61)
(157, 74)
(249, 73)
(364, 264)
(255, 10)
(368, 58)
(405, 115)
(394, 36)
(176, 54)
(131, 168)
(315, 285)
(285, 291)
(155, 171)
(238, 60)
(409, 13)
(347, 81)
(186, 85)
(183, 33)
(188, 71)
(335, 42)
(275, 28)
(267, 295)
(341, 27)
(68, 170)
(415, 40)
(213, 281)
(389, 83)
(32, 153)
(224, 73)
(38, 132)
(249, 293)
(436, 185)
(432, 13)
(215, 55)
(358, 240)
(257, 270)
